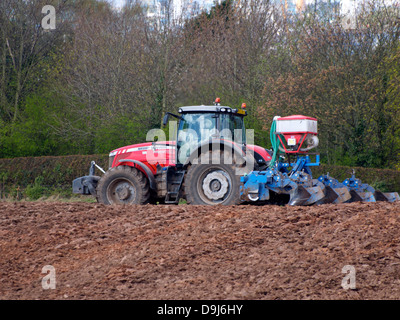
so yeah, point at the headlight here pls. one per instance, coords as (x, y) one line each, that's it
(111, 159)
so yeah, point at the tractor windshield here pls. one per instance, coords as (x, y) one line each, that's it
(232, 128)
(194, 128)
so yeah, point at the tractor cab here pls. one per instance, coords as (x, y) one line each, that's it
(201, 124)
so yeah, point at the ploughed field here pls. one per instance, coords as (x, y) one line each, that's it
(199, 252)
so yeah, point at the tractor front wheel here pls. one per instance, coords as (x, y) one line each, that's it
(123, 185)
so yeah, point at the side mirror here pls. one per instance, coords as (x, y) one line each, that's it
(166, 117)
(165, 120)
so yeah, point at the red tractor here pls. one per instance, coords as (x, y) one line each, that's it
(203, 165)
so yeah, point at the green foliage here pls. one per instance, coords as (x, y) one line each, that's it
(387, 179)
(119, 132)
(32, 134)
(381, 186)
(54, 171)
(37, 190)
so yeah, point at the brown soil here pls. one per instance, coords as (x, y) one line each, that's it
(199, 252)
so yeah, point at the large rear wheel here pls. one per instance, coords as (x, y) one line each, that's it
(123, 185)
(212, 183)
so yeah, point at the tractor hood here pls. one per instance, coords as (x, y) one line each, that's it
(140, 147)
(149, 153)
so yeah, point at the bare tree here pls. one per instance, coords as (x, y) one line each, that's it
(24, 44)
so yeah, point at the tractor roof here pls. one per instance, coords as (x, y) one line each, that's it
(217, 108)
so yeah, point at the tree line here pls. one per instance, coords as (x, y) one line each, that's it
(104, 77)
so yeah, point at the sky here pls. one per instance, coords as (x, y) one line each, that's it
(120, 3)
(346, 4)
(117, 3)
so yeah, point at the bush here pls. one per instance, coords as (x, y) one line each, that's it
(37, 190)
(55, 171)
(386, 180)
(40, 176)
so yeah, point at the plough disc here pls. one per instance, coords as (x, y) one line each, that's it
(330, 196)
(343, 195)
(386, 196)
(361, 196)
(317, 193)
(335, 192)
(307, 192)
(299, 196)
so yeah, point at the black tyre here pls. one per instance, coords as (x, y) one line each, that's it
(123, 185)
(212, 183)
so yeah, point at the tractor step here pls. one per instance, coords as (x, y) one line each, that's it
(174, 184)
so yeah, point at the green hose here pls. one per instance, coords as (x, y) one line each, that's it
(275, 143)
